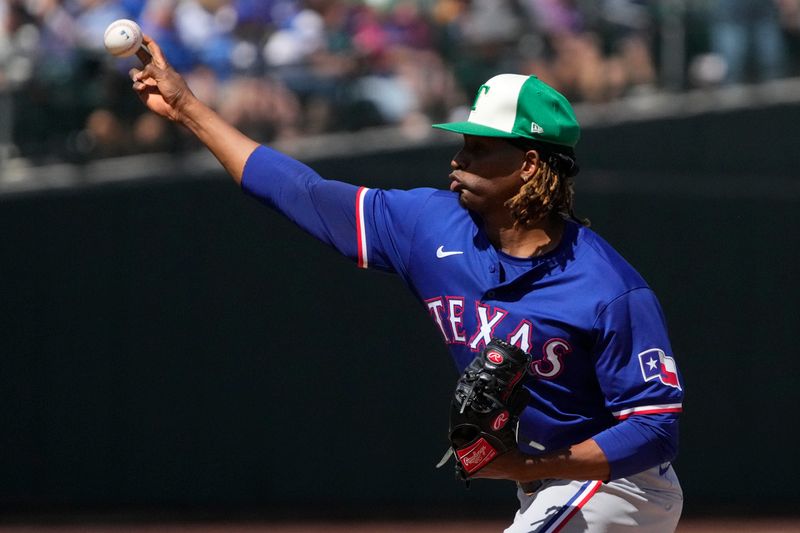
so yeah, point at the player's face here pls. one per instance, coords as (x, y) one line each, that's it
(486, 173)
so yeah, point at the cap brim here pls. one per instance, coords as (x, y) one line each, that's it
(470, 128)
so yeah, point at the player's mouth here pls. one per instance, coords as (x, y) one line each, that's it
(455, 184)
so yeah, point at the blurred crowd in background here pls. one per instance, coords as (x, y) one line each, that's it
(281, 69)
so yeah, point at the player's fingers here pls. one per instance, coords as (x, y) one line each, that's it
(155, 50)
(142, 79)
(140, 74)
(149, 72)
(136, 77)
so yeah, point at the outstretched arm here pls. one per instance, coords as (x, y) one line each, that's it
(165, 92)
(327, 209)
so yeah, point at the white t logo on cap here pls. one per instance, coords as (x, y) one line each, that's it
(498, 102)
(483, 89)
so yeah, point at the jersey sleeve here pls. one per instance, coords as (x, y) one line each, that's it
(639, 442)
(387, 228)
(633, 358)
(373, 227)
(640, 381)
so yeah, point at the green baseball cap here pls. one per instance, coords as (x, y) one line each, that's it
(516, 106)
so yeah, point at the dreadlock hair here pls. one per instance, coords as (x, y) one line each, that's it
(551, 189)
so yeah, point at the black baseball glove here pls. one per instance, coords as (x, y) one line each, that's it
(486, 405)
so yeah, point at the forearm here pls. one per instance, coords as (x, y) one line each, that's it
(230, 146)
(634, 445)
(584, 460)
(166, 93)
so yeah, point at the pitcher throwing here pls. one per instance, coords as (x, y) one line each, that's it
(501, 255)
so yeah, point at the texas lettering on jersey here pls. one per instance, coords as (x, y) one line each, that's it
(448, 314)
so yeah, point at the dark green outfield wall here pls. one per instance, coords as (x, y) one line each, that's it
(172, 346)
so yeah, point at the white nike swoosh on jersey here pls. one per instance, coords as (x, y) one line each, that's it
(538, 446)
(440, 253)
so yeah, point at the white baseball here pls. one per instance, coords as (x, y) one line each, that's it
(123, 38)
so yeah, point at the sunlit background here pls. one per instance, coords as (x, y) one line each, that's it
(169, 349)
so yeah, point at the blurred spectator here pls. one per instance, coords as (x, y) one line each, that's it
(288, 68)
(556, 17)
(104, 136)
(157, 19)
(262, 108)
(747, 35)
(206, 27)
(92, 19)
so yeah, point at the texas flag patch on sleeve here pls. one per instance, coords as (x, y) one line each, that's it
(656, 364)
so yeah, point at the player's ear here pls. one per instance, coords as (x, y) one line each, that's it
(530, 165)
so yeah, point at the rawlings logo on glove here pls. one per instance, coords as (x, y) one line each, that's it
(488, 399)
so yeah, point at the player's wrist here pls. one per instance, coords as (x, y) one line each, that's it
(195, 115)
(529, 469)
(188, 109)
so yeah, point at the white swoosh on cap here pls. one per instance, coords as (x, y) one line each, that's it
(440, 253)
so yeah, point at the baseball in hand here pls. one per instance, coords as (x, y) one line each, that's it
(123, 38)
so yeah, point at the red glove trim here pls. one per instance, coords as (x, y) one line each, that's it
(476, 455)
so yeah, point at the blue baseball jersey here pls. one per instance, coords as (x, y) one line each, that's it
(595, 330)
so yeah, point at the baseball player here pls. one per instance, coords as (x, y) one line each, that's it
(501, 255)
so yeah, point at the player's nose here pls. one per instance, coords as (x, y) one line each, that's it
(457, 163)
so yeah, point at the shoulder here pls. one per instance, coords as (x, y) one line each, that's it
(624, 307)
(601, 261)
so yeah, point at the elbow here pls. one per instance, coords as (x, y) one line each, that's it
(639, 443)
